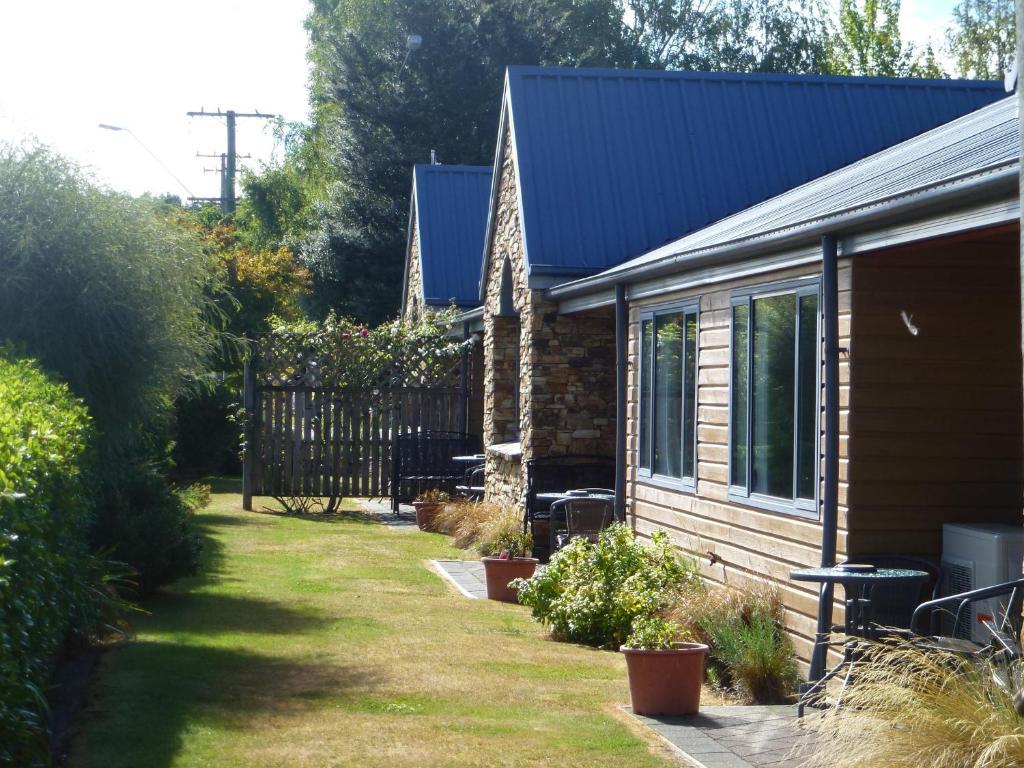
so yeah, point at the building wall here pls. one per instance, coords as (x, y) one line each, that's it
(566, 364)
(734, 544)
(414, 278)
(935, 417)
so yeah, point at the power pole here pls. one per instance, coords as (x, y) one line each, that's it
(227, 192)
(223, 171)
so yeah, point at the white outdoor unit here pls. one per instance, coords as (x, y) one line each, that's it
(976, 556)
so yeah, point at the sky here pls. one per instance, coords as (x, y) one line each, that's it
(69, 65)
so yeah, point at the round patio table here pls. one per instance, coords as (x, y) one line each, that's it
(858, 581)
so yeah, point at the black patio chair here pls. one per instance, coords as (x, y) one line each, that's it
(554, 474)
(892, 607)
(423, 461)
(1004, 626)
(473, 487)
(578, 517)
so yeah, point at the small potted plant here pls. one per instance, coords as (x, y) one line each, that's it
(506, 550)
(665, 672)
(427, 505)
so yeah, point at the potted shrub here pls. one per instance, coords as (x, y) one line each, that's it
(665, 672)
(506, 550)
(427, 505)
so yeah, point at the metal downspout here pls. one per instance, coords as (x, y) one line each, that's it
(621, 325)
(464, 384)
(830, 500)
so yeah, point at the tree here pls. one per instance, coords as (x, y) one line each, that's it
(868, 42)
(983, 38)
(375, 113)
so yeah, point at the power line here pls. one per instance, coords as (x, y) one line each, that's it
(229, 164)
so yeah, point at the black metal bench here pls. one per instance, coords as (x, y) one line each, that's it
(423, 461)
(548, 474)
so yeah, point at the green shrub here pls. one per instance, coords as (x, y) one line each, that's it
(43, 563)
(593, 593)
(744, 628)
(143, 522)
(653, 633)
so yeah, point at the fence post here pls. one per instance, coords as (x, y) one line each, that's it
(249, 401)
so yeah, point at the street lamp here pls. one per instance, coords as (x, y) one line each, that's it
(130, 132)
(412, 43)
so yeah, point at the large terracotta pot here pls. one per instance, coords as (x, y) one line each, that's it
(499, 572)
(666, 682)
(426, 511)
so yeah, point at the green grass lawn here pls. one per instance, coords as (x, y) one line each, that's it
(324, 643)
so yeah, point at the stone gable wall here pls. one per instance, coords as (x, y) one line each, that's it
(414, 279)
(566, 383)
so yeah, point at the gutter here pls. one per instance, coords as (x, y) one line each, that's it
(1000, 177)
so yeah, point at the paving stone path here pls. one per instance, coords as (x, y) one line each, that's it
(466, 575)
(736, 737)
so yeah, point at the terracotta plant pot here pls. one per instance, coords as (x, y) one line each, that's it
(666, 682)
(500, 572)
(426, 511)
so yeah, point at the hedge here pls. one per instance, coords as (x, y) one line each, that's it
(44, 519)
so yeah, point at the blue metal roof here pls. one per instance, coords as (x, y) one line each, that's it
(614, 163)
(450, 203)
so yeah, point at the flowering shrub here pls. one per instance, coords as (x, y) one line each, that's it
(342, 354)
(593, 593)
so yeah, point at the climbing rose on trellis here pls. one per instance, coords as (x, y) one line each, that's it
(347, 356)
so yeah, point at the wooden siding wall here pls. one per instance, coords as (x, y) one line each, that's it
(748, 543)
(936, 417)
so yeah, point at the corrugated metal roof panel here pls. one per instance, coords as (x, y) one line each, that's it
(451, 217)
(986, 139)
(613, 163)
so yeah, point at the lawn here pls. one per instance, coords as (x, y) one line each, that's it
(329, 643)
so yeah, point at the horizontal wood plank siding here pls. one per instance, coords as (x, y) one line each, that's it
(935, 417)
(745, 543)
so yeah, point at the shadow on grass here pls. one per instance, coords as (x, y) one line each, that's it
(158, 691)
(202, 613)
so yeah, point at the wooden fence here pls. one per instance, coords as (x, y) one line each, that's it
(317, 442)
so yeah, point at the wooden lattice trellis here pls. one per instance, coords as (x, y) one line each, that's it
(316, 431)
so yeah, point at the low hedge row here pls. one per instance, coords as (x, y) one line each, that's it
(44, 521)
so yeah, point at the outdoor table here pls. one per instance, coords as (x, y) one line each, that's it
(550, 497)
(858, 582)
(475, 458)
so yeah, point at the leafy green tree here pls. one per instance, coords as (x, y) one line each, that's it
(983, 38)
(106, 290)
(378, 109)
(868, 42)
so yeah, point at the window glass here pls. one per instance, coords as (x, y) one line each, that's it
(646, 341)
(690, 397)
(772, 396)
(740, 379)
(807, 376)
(668, 390)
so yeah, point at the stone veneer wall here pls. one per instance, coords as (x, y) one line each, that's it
(413, 279)
(504, 477)
(566, 363)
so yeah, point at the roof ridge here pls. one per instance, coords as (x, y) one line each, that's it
(521, 70)
(441, 167)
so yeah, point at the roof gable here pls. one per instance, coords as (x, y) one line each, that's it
(614, 163)
(450, 206)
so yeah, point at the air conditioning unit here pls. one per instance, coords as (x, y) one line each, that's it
(976, 556)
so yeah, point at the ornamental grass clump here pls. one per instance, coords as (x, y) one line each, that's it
(750, 652)
(593, 593)
(465, 521)
(908, 707)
